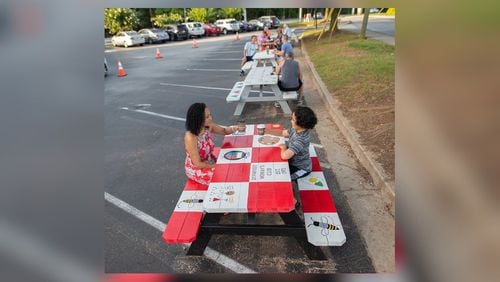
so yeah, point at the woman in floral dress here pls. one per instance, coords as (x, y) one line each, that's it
(199, 144)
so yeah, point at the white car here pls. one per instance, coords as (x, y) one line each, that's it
(195, 29)
(127, 38)
(228, 25)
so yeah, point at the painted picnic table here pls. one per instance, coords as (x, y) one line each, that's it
(261, 76)
(250, 177)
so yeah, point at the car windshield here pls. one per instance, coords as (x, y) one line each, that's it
(181, 26)
(232, 22)
(131, 33)
(197, 25)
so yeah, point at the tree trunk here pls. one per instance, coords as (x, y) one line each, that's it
(365, 23)
(334, 22)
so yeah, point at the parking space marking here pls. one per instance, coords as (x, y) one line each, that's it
(153, 114)
(207, 87)
(160, 226)
(223, 59)
(235, 70)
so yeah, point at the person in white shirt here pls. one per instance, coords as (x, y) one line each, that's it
(287, 31)
(249, 51)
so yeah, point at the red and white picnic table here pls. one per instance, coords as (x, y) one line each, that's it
(250, 177)
(261, 76)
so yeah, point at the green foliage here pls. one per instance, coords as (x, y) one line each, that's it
(162, 20)
(198, 15)
(120, 19)
(144, 17)
(230, 13)
(213, 14)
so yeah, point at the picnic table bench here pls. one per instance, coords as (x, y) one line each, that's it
(250, 177)
(259, 76)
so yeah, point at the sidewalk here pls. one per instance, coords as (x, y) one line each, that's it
(368, 203)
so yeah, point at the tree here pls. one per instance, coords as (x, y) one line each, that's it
(119, 19)
(362, 34)
(144, 17)
(198, 15)
(163, 19)
(232, 13)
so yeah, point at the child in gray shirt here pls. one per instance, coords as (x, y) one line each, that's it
(296, 150)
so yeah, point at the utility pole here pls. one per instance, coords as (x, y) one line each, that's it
(365, 23)
(184, 14)
(300, 14)
(245, 14)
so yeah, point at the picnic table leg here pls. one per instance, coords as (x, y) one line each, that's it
(312, 252)
(197, 248)
(283, 103)
(241, 105)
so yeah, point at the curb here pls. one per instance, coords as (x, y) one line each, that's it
(374, 169)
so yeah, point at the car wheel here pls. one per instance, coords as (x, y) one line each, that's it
(150, 41)
(224, 31)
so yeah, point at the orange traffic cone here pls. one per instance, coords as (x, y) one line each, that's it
(158, 54)
(121, 71)
(237, 36)
(195, 45)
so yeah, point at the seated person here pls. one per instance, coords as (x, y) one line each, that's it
(249, 51)
(286, 47)
(199, 145)
(296, 149)
(291, 77)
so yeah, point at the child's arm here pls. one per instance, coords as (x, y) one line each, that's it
(286, 153)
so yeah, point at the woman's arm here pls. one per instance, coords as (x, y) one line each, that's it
(190, 144)
(222, 130)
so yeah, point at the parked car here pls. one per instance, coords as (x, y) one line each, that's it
(246, 26)
(211, 29)
(259, 25)
(195, 29)
(177, 31)
(127, 38)
(151, 35)
(275, 22)
(228, 25)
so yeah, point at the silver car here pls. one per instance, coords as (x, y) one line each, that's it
(152, 35)
(127, 38)
(260, 24)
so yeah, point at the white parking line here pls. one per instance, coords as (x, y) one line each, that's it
(235, 70)
(224, 52)
(154, 114)
(223, 59)
(207, 87)
(317, 145)
(160, 226)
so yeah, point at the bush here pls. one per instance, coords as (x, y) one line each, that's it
(163, 19)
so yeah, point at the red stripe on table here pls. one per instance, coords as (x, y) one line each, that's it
(270, 197)
(182, 227)
(195, 186)
(232, 173)
(317, 201)
(245, 141)
(315, 164)
(139, 277)
(266, 155)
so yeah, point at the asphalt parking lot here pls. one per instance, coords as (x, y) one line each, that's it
(144, 159)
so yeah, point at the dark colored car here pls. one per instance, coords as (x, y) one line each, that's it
(275, 22)
(246, 26)
(153, 35)
(259, 25)
(211, 29)
(177, 31)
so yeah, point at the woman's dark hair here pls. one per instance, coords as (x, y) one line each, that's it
(305, 117)
(195, 118)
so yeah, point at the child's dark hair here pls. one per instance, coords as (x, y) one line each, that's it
(305, 117)
(195, 118)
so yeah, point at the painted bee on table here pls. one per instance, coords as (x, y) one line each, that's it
(324, 225)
